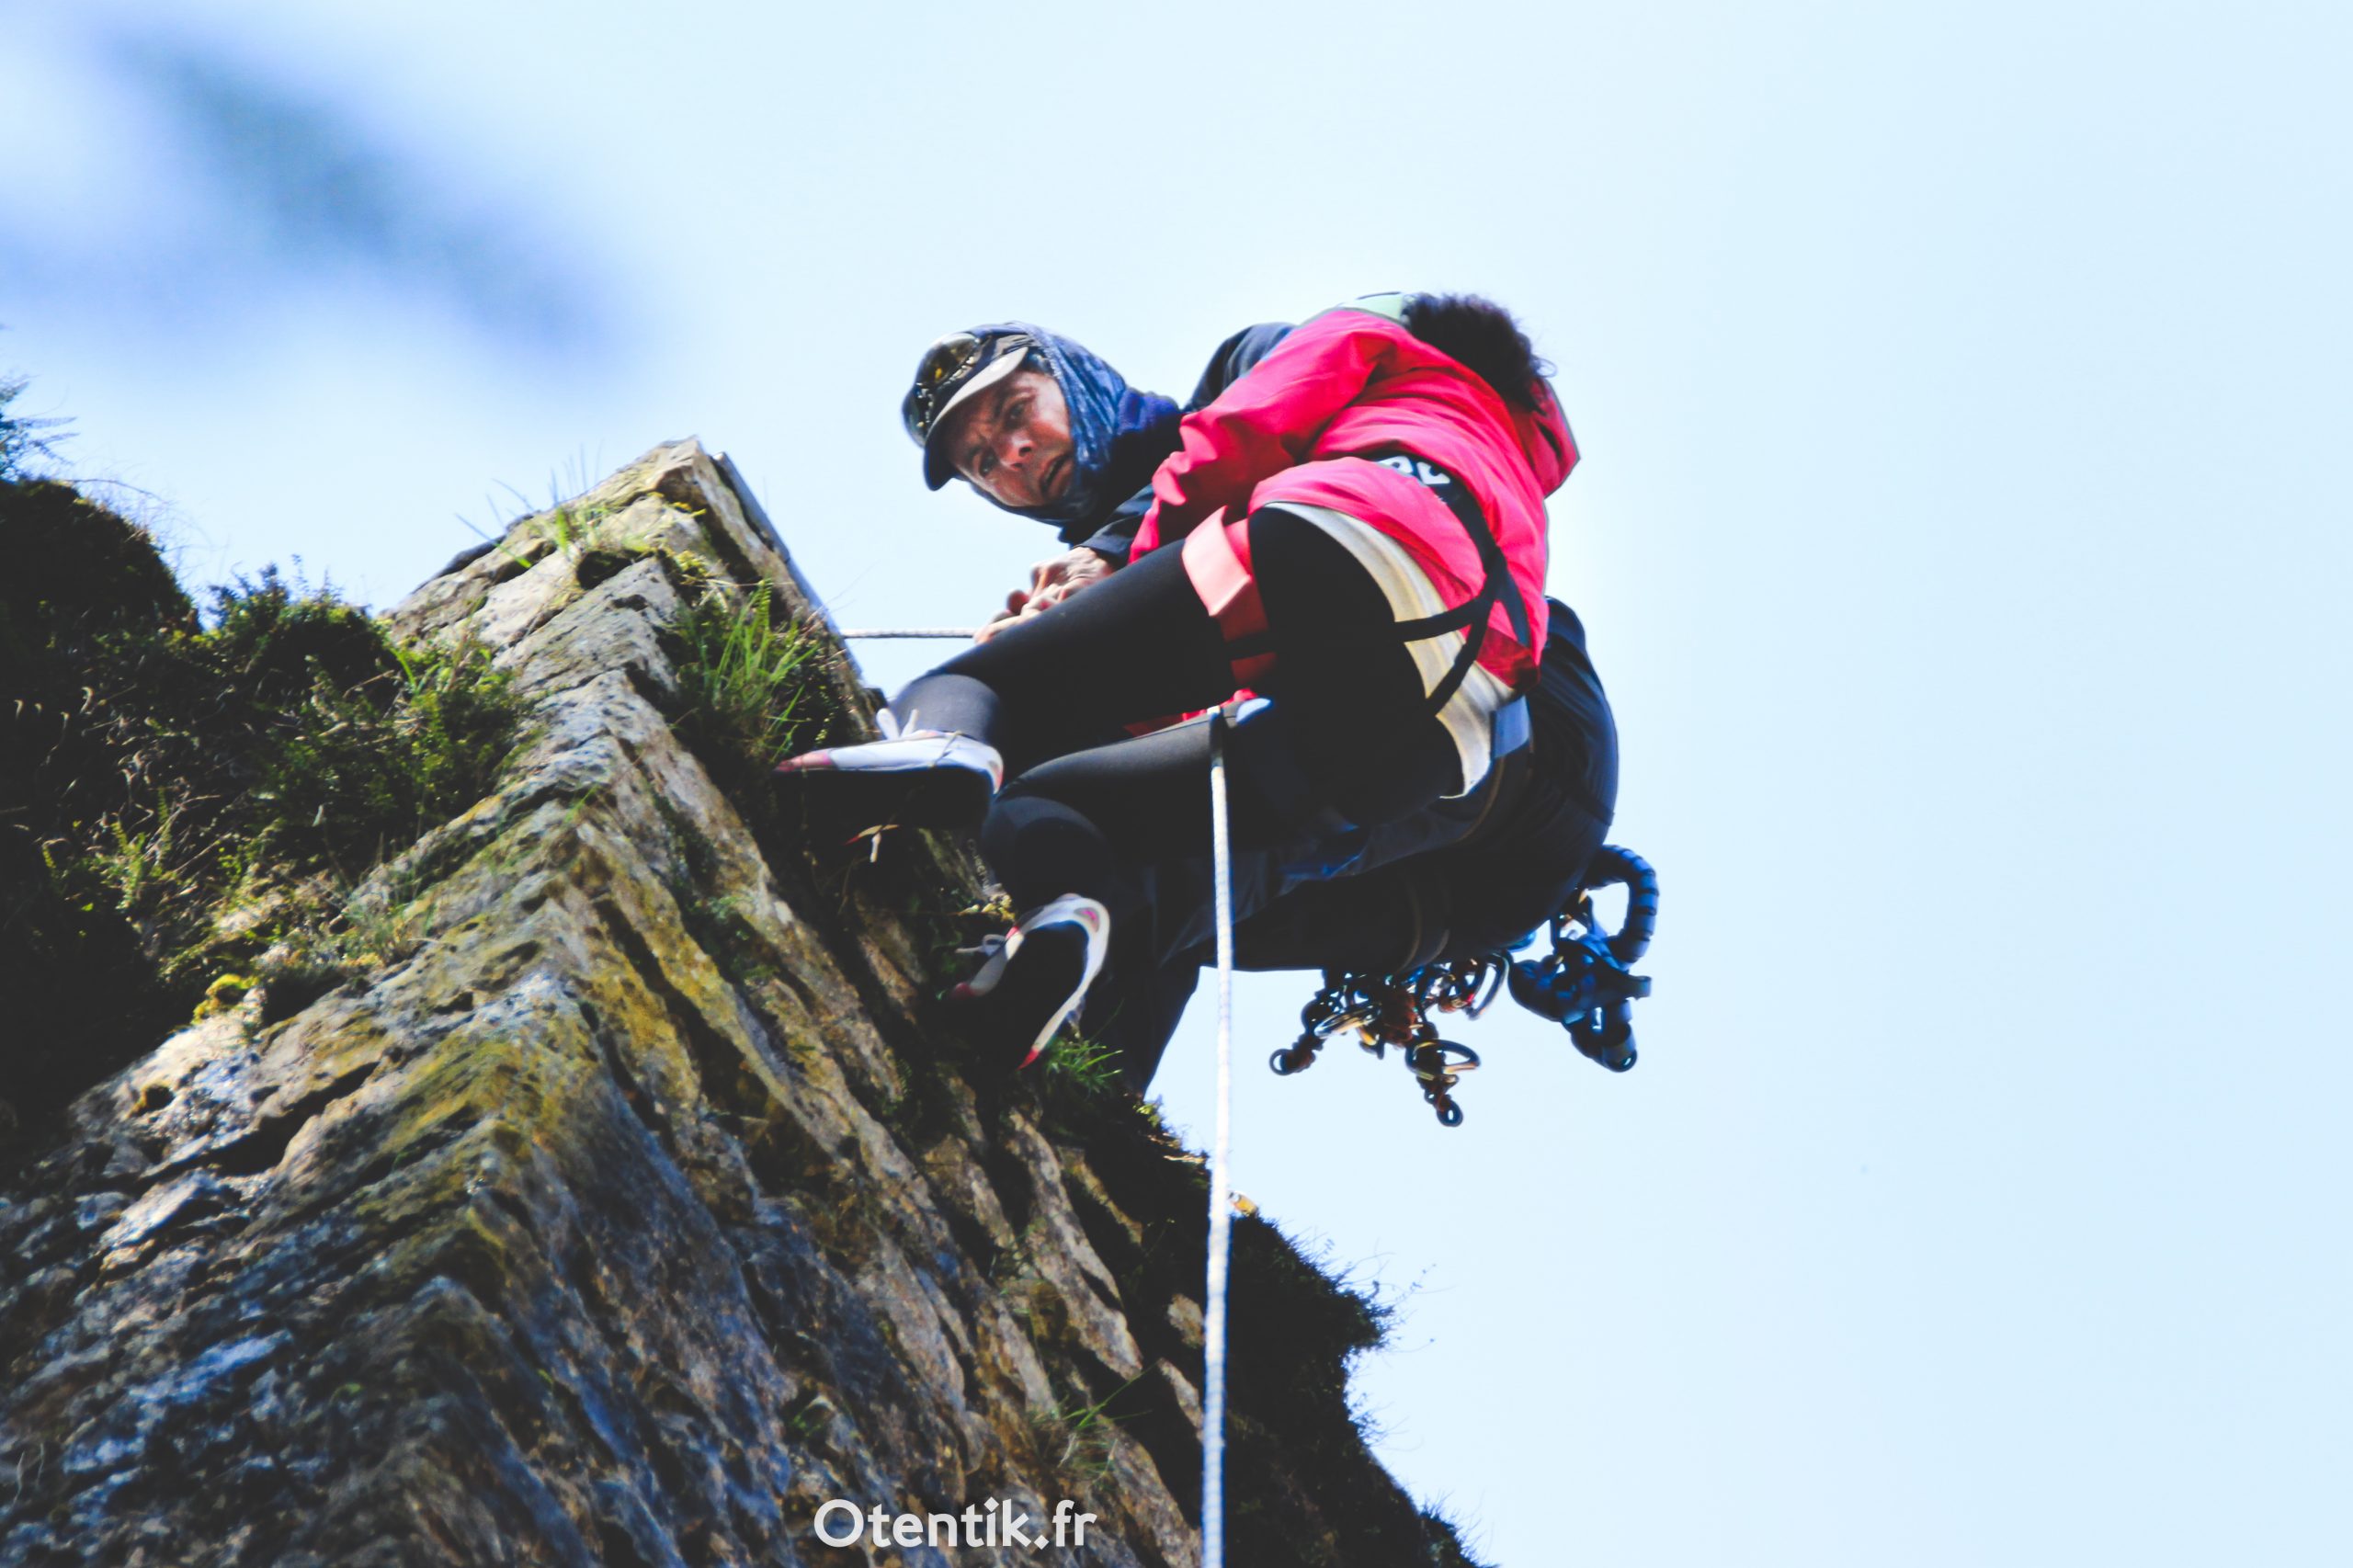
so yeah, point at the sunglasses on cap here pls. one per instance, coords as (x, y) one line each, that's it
(958, 363)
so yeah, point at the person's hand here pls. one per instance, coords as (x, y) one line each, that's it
(1007, 617)
(1051, 582)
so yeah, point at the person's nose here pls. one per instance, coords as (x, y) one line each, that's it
(1013, 446)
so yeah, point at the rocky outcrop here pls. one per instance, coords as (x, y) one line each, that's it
(633, 1199)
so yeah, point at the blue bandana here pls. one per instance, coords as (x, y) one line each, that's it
(1118, 434)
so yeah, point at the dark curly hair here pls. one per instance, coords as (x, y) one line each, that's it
(1482, 336)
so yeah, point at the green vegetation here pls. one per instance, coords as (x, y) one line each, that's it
(360, 744)
(1083, 1428)
(20, 434)
(1078, 1078)
(186, 795)
(567, 528)
(566, 525)
(811, 1415)
(748, 677)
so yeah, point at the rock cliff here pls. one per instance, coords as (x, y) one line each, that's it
(617, 1194)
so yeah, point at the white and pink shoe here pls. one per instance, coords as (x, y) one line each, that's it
(1035, 977)
(912, 779)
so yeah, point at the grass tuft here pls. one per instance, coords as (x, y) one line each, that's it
(1084, 1433)
(1077, 1073)
(20, 434)
(750, 678)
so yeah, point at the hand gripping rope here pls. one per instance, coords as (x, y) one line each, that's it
(1584, 984)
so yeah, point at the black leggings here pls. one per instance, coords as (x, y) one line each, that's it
(1460, 897)
(1348, 739)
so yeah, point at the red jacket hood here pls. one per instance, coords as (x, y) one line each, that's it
(1544, 436)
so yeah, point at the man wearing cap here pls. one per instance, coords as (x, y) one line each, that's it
(1045, 429)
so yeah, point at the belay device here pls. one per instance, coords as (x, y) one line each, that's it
(1584, 985)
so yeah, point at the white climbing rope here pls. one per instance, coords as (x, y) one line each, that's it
(1220, 1186)
(964, 632)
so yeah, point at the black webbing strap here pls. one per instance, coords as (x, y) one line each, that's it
(1496, 586)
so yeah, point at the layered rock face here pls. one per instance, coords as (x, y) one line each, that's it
(639, 1200)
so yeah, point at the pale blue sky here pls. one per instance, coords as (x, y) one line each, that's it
(1962, 390)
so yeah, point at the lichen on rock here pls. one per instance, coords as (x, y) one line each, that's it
(628, 1196)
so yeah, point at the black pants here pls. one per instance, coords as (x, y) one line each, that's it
(1440, 888)
(1347, 744)
(1456, 877)
(1139, 645)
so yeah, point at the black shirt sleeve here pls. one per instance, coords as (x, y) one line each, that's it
(1233, 359)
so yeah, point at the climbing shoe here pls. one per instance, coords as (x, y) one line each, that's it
(1034, 979)
(915, 779)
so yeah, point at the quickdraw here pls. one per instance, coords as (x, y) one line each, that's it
(1582, 983)
(1388, 1009)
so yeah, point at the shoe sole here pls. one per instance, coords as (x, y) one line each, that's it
(916, 797)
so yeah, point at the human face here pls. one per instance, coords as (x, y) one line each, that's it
(1012, 442)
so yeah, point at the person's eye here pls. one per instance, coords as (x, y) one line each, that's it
(984, 463)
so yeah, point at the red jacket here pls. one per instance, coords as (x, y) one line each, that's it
(1350, 380)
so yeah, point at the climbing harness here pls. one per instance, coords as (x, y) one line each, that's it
(1220, 1181)
(1230, 591)
(1584, 984)
(1496, 585)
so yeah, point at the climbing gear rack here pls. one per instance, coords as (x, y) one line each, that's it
(1395, 1009)
(1582, 983)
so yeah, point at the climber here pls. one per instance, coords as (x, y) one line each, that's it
(1476, 871)
(1374, 560)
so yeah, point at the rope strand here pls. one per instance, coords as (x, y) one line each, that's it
(965, 632)
(1221, 1188)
